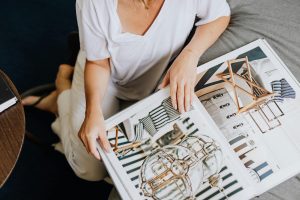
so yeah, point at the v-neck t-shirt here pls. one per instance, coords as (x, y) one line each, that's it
(138, 61)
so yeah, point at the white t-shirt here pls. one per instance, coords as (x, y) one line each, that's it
(137, 62)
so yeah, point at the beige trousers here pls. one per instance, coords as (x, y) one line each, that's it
(71, 110)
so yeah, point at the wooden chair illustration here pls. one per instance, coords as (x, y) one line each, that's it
(258, 94)
(124, 149)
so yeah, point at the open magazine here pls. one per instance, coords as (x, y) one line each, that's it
(239, 139)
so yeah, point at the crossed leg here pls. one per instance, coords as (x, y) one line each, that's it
(49, 103)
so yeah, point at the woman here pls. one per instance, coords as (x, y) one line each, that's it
(126, 46)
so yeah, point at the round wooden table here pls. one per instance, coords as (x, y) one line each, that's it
(12, 131)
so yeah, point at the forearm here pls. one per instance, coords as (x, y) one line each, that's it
(206, 35)
(182, 79)
(96, 80)
(96, 76)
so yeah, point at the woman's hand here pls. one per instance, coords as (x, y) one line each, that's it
(182, 76)
(93, 131)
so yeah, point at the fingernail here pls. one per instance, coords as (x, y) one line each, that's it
(98, 156)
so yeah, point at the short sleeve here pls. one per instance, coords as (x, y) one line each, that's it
(92, 39)
(210, 10)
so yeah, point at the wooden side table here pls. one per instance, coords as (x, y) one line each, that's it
(12, 131)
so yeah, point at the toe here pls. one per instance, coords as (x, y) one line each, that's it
(30, 100)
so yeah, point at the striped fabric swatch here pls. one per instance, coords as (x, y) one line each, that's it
(171, 112)
(276, 87)
(286, 90)
(282, 90)
(149, 125)
(159, 117)
(138, 130)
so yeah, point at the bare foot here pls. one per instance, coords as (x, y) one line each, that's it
(63, 79)
(48, 103)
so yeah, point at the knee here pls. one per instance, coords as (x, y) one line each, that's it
(64, 78)
(91, 171)
(64, 71)
(84, 165)
(92, 174)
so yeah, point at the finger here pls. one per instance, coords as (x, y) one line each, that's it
(187, 97)
(83, 140)
(104, 142)
(92, 144)
(192, 92)
(98, 140)
(173, 91)
(86, 144)
(180, 96)
(165, 81)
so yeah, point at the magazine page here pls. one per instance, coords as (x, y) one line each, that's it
(158, 153)
(253, 98)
